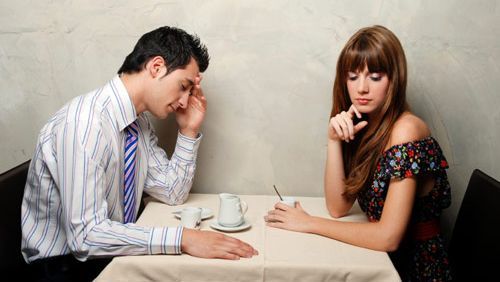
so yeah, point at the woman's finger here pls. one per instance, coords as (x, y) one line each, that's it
(349, 125)
(343, 126)
(335, 125)
(299, 206)
(274, 217)
(353, 110)
(275, 224)
(281, 206)
(360, 125)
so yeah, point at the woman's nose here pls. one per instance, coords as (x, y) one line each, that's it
(363, 86)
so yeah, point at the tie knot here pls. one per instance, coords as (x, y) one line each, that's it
(133, 128)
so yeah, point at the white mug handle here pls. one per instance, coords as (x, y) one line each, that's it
(244, 207)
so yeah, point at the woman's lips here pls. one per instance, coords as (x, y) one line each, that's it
(363, 101)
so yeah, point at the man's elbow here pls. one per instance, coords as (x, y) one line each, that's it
(175, 201)
(80, 251)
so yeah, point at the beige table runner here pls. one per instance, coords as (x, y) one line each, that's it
(284, 255)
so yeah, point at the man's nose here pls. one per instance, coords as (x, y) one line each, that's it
(183, 101)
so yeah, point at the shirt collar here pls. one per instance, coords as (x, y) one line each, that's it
(124, 108)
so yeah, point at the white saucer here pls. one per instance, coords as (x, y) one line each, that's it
(205, 213)
(243, 226)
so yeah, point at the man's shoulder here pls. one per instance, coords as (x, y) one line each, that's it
(89, 108)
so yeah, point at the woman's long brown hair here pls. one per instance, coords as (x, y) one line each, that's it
(378, 49)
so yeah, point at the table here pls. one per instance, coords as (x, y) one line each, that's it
(283, 255)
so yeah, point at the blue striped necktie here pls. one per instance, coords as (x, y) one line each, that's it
(129, 172)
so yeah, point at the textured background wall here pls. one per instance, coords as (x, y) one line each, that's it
(270, 79)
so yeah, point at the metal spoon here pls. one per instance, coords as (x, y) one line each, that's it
(277, 192)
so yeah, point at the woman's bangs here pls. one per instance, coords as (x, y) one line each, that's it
(361, 55)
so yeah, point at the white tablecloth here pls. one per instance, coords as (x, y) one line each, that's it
(283, 255)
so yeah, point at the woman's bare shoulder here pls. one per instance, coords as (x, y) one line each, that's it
(408, 128)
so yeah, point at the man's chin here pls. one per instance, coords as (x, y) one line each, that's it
(171, 110)
(161, 115)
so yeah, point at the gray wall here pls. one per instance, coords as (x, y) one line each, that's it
(270, 79)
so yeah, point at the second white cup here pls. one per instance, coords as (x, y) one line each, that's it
(191, 217)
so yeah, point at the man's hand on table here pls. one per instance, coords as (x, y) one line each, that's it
(208, 244)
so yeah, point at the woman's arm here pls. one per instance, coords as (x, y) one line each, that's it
(384, 235)
(337, 204)
(341, 129)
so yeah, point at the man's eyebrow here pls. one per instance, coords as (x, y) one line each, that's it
(189, 81)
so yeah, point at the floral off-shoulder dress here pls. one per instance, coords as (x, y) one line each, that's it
(421, 255)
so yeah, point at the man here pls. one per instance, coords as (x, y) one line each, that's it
(96, 156)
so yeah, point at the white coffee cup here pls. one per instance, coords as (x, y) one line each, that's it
(231, 210)
(289, 201)
(191, 217)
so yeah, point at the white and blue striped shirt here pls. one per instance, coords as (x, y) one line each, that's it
(73, 199)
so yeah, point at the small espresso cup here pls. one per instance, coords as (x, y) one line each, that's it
(289, 201)
(231, 210)
(191, 217)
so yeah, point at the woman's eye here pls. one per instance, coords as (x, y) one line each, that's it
(183, 87)
(376, 77)
(352, 76)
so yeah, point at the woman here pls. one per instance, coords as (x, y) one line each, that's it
(382, 155)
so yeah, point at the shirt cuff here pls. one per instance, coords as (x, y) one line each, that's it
(187, 148)
(166, 240)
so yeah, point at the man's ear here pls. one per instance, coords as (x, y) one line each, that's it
(156, 67)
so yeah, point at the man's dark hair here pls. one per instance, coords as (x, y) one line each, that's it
(174, 45)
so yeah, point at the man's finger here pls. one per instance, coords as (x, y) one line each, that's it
(226, 255)
(200, 92)
(241, 251)
(197, 91)
(239, 247)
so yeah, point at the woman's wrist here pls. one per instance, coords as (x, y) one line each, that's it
(334, 144)
(312, 225)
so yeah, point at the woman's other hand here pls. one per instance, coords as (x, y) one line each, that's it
(286, 217)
